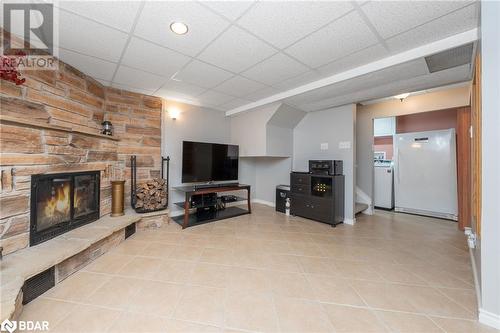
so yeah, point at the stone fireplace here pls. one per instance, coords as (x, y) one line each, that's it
(61, 202)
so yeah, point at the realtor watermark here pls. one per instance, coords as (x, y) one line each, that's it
(30, 36)
(23, 325)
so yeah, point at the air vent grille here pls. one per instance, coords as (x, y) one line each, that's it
(450, 58)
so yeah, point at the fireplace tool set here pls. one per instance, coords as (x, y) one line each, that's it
(152, 195)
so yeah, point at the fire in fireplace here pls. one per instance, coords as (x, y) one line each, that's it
(61, 202)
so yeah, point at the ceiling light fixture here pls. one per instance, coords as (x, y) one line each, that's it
(401, 97)
(179, 28)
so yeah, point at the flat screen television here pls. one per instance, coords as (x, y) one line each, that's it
(205, 162)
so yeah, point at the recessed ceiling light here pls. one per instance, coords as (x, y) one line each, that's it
(179, 28)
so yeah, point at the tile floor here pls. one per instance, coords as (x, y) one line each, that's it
(268, 273)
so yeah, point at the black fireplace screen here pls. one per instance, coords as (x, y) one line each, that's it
(61, 202)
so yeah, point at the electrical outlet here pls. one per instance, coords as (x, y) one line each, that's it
(323, 146)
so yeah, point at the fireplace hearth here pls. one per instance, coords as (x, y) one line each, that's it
(62, 202)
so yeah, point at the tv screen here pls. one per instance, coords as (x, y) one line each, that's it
(204, 162)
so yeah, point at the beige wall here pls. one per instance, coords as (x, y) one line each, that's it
(438, 100)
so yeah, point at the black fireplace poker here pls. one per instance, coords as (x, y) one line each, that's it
(133, 183)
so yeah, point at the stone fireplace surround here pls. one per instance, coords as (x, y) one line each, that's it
(51, 124)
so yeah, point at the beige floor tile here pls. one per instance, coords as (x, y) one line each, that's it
(290, 285)
(277, 247)
(250, 311)
(383, 295)
(209, 275)
(77, 287)
(333, 290)
(156, 298)
(250, 259)
(308, 249)
(356, 270)
(432, 302)
(187, 253)
(110, 263)
(42, 309)
(169, 237)
(174, 271)
(221, 242)
(130, 247)
(408, 323)
(158, 250)
(249, 280)
(87, 319)
(397, 274)
(202, 304)
(350, 319)
(465, 297)
(315, 265)
(462, 326)
(116, 293)
(217, 256)
(138, 323)
(282, 262)
(295, 315)
(179, 326)
(141, 267)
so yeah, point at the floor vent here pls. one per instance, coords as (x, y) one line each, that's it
(38, 284)
(129, 230)
(450, 58)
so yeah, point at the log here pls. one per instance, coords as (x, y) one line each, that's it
(151, 195)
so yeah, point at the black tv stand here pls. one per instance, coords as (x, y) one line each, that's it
(216, 185)
(208, 214)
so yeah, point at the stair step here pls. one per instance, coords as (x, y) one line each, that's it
(359, 207)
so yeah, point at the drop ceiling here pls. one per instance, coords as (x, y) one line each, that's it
(240, 52)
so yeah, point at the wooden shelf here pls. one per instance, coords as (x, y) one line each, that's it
(210, 216)
(29, 123)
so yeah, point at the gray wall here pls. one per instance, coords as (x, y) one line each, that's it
(490, 227)
(330, 126)
(193, 124)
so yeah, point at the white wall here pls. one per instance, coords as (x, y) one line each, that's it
(489, 312)
(330, 126)
(438, 100)
(193, 124)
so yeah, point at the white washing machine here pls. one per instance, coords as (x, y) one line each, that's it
(384, 184)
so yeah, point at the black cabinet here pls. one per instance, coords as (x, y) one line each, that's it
(317, 197)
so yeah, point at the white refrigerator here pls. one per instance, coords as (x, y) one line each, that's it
(425, 173)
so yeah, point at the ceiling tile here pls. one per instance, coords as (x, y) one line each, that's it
(459, 21)
(235, 103)
(275, 69)
(132, 89)
(393, 17)
(344, 36)
(153, 58)
(365, 56)
(236, 50)
(186, 89)
(261, 93)
(87, 37)
(202, 75)
(118, 14)
(96, 68)
(298, 80)
(213, 98)
(239, 86)
(283, 23)
(203, 24)
(138, 79)
(229, 9)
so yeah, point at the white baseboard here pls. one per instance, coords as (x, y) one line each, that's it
(490, 319)
(349, 221)
(263, 202)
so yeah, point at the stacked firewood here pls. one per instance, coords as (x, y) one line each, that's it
(151, 195)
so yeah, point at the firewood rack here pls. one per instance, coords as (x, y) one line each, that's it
(133, 183)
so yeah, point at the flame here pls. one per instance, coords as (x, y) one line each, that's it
(59, 201)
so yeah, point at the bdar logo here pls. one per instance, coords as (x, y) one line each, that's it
(9, 326)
